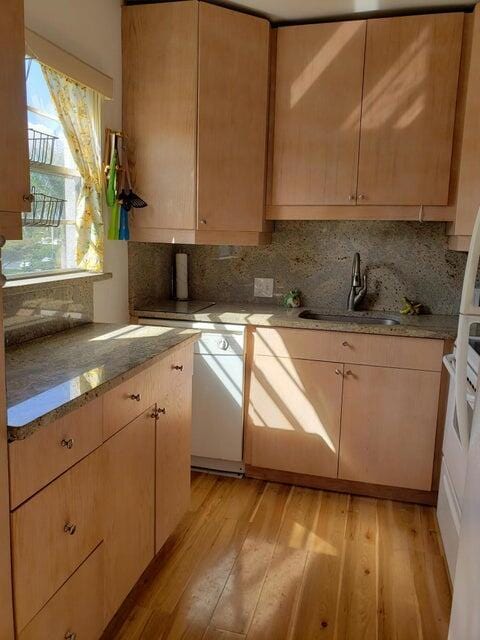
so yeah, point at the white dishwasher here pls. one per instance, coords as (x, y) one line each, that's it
(217, 402)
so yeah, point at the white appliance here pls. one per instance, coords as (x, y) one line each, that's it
(217, 402)
(465, 616)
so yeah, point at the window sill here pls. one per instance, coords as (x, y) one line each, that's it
(55, 280)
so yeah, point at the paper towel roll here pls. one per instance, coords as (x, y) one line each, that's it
(181, 276)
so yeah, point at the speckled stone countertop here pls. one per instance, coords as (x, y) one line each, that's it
(51, 376)
(427, 326)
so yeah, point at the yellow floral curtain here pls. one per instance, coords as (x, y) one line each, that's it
(79, 110)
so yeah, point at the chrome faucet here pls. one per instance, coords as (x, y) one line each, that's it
(359, 285)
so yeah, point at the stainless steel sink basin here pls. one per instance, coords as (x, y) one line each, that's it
(311, 315)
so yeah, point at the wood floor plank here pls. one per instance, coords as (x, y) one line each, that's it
(318, 601)
(357, 610)
(194, 611)
(278, 599)
(219, 634)
(237, 604)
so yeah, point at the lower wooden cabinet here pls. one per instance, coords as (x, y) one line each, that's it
(389, 424)
(53, 533)
(356, 408)
(173, 448)
(76, 610)
(129, 504)
(294, 414)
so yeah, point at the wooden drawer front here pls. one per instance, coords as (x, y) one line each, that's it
(77, 608)
(44, 554)
(124, 403)
(37, 460)
(355, 348)
(389, 424)
(294, 410)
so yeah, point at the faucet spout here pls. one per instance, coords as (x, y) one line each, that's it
(358, 288)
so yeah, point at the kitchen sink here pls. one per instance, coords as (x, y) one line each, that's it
(311, 315)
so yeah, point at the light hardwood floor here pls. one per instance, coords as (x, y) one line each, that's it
(254, 560)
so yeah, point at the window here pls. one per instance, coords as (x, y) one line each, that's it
(46, 249)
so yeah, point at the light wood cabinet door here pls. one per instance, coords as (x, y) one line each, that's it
(53, 533)
(389, 424)
(173, 447)
(129, 500)
(160, 110)
(318, 93)
(76, 608)
(232, 119)
(293, 421)
(408, 109)
(14, 168)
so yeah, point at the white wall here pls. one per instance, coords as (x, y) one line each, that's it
(91, 30)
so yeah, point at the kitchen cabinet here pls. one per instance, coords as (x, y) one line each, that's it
(173, 447)
(6, 604)
(53, 533)
(195, 110)
(14, 167)
(408, 109)
(357, 126)
(76, 608)
(129, 504)
(344, 411)
(468, 163)
(294, 414)
(318, 95)
(389, 423)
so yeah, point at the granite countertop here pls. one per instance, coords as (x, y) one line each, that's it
(426, 326)
(51, 376)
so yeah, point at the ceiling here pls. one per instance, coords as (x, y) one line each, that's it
(293, 10)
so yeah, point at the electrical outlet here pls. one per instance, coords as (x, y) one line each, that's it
(263, 287)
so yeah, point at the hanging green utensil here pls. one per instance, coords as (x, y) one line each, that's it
(114, 226)
(111, 191)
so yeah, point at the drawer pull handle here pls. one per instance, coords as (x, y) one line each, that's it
(67, 443)
(178, 367)
(135, 396)
(338, 372)
(70, 528)
(345, 344)
(70, 635)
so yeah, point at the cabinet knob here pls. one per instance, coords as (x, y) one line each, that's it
(361, 196)
(28, 197)
(70, 528)
(70, 635)
(203, 221)
(162, 410)
(345, 344)
(67, 443)
(338, 372)
(349, 373)
(178, 367)
(352, 197)
(135, 396)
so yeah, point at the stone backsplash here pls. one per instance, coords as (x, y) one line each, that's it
(34, 312)
(401, 259)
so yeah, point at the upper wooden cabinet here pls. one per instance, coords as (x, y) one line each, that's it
(195, 110)
(408, 109)
(317, 113)
(364, 115)
(14, 167)
(467, 199)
